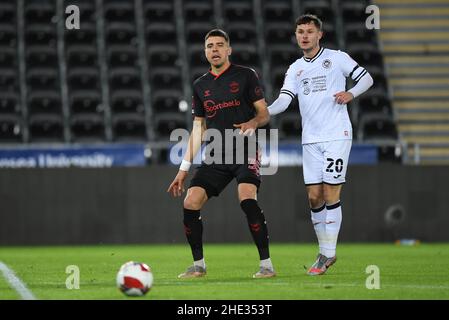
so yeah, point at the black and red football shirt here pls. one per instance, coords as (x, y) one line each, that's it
(227, 98)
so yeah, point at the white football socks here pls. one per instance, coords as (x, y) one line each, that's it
(266, 263)
(332, 223)
(200, 263)
(318, 216)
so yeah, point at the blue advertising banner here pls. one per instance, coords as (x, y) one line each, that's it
(84, 156)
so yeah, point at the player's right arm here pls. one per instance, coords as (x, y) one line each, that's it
(176, 188)
(287, 93)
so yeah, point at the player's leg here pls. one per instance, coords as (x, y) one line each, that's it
(317, 212)
(336, 154)
(248, 180)
(313, 178)
(207, 182)
(333, 218)
(193, 228)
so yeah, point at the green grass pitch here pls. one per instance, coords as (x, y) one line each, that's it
(417, 272)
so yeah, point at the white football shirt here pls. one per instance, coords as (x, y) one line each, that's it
(315, 80)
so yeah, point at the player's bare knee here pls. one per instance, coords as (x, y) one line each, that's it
(194, 200)
(247, 191)
(316, 198)
(192, 204)
(331, 194)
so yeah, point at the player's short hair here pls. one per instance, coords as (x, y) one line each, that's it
(308, 18)
(217, 33)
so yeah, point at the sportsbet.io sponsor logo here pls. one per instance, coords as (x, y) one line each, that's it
(211, 107)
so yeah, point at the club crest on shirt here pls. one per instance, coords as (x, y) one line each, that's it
(234, 87)
(327, 64)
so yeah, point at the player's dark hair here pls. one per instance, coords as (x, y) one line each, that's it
(308, 18)
(217, 33)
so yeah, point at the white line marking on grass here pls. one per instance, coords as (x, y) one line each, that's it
(16, 283)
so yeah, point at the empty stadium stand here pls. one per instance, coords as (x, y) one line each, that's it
(121, 76)
(415, 39)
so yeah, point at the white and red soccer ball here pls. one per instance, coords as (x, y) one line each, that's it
(134, 278)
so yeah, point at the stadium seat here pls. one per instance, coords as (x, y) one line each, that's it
(277, 78)
(87, 128)
(198, 11)
(127, 101)
(8, 79)
(166, 101)
(290, 125)
(10, 128)
(83, 78)
(39, 34)
(374, 103)
(159, 11)
(366, 55)
(162, 55)
(124, 78)
(46, 128)
(81, 56)
(43, 78)
(122, 56)
(41, 12)
(8, 12)
(129, 127)
(120, 33)
(247, 55)
(85, 101)
(283, 55)
(377, 127)
(44, 102)
(9, 103)
(161, 33)
(87, 34)
(355, 34)
(196, 31)
(197, 57)
(242, 33)
(280, 33)
(7, 57)
(278, 11)
(8, 34)
(238, 10)
(165, 78)
(41, 56)
(119, 11)
(354, 12)
(322, 10)
(166, 123)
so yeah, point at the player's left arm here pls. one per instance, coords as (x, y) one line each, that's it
(360, 75)
(262, 117)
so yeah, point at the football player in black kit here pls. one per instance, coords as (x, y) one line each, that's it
(228, 97)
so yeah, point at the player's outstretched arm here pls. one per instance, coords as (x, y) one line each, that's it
(176, 188)
(280, 104)
(262, 117)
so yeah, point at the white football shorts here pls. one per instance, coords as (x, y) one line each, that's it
(325, 162)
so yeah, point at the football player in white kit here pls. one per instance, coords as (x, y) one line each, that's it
(319, 80)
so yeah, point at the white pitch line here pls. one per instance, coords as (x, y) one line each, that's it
(16, 283)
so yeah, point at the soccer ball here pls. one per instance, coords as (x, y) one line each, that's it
(134, 279)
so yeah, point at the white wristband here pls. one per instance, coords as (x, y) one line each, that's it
(185, 165)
